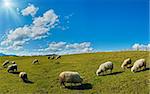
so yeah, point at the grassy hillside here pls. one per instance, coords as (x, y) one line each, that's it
(45, 75)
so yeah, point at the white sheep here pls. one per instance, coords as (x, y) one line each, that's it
(125, 63)
(57, 57)
(12, 67)
(35, 61)
(13, 62)
(48, 57)
(69, 77)
(104, 67)
(23, 76)
(51, 57)
(138, 65)
(5, 63)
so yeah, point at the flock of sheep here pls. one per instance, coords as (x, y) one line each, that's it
(127, 63)
(12, 67)
(54, 57)
(74, 77)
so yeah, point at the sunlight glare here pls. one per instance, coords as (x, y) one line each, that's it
(7, 4)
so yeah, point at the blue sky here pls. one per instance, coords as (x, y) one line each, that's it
(84, 25)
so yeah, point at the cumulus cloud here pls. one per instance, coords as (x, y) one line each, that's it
(29, 10)
(67, 48)
(38, 29)
(54, 47)
(142, 47)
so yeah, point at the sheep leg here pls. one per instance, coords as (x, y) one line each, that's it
(102, 73)
(62, 83)
(110, 70)
(126, 67)
(138, 69)
(145, 67)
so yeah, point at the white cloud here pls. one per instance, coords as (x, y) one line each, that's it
(67, 48)
(37, 30)
(54, 48)
(49, 18)
(78, 46)
(142, 47)
(30, 10)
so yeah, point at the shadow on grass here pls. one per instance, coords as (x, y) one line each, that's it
(113, 73)
(36, 64)
(15, 72)
(84, 86)
(25, 81)
(28, 81)
(57, 62)
(146, 69)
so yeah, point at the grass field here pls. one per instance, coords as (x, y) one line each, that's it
(45, 75)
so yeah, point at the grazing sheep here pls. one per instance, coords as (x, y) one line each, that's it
(12, 67)
(57, 57)
(51, 57)
(5, 63)
(104, 67)
(35, 61)
(23, 76)
(125, 63)
(13, 62)
(138, 65)
(69, 77)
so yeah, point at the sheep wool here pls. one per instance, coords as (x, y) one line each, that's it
(69, 77)
(138, 64)
(125, 63)
(5, 63)
(23, 76)
(104, 67)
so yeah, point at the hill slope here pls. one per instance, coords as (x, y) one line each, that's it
(45, 75)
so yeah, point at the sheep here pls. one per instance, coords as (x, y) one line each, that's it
(12, 67)
(23, 76)
(13, 62)
(5, 63)
(138, 64)
(70, 77)
(57, 57)
(51, 57)
(104, 67)
(125, 63)
(35, 61)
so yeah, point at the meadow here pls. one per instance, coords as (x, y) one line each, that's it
(44, 76)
